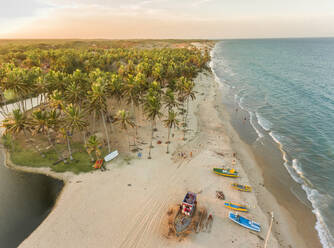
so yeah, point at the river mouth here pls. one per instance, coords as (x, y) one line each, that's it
(25, 201)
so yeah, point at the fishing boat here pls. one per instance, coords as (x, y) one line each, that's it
(225, 172)
(183, 218)
(242, 221)
(235, 206)
(241, 187)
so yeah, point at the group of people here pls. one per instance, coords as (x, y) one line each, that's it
(184, 154)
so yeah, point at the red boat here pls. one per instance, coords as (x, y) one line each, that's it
(98, 164)
(183, 218)
(189, 204)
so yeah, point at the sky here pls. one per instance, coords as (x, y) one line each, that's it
(135, 19)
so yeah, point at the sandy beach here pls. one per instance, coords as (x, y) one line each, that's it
(127, 205)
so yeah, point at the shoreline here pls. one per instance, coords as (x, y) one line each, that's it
(277, 179)
(284, 203)
(28, 198)
(206, 139)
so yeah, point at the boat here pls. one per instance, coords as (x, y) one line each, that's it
(111, 156)
(225, 172)
(241, 187)
(98, 164)
(235, 206)
(187, 209)
(242, 221)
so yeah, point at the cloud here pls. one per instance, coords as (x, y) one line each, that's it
(109, 23)
(200, 2)
(115, 19)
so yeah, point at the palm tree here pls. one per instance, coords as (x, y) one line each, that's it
(152, 107)
(74, 120)
(41, 88)
(15, 82)
(123, 118)
(73, 93)
(169, 99)
(17, 122)
(170, 122)
(186, 92)
(56, 100)
(93, 145)
(115, 87)
(189, 93)
(97, 100)
(42, 122)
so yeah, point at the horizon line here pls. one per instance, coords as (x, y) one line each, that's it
(187, 39)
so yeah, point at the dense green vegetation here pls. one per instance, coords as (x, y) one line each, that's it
(81, 86)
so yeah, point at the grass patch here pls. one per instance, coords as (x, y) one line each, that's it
(31, 158)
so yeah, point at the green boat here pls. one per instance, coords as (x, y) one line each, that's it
(225, 172)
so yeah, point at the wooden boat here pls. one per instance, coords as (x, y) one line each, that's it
(183, 218)
(241, 187)
(225, 172)
(242, 221)
(235, 206)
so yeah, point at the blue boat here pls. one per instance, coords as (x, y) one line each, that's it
(242, 221)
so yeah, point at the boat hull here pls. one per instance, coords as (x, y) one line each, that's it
(242, 221)
(236, 207)
(241, 187)
(224, 173)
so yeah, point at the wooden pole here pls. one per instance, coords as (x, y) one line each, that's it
(269, 230)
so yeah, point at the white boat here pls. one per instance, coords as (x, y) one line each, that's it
(111, 156)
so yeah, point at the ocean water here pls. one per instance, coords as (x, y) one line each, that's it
(287, 86)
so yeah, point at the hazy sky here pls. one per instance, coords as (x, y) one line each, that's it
(118, 19)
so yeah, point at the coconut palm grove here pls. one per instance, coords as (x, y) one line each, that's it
(89, 91)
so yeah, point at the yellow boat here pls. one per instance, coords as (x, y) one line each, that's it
(235, 206)
(225, 172)
(241, 187)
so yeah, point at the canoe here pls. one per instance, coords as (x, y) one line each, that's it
(241, 187)
(111, 156)
(235, 206)
(242, 221)
(225, 172)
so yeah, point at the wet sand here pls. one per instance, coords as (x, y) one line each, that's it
(290, 199)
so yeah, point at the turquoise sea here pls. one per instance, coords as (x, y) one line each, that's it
(287, 87)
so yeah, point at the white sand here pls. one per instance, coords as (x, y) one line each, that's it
(100, 209)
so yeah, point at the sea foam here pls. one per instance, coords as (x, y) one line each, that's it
(264, 123)
(316, 200)
(252, 122)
